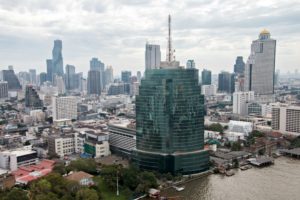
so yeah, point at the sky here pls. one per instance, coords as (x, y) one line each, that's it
(212, 32)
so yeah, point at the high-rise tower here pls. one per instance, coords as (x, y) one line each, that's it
(57, 59)
(170, 119)
(260, 67)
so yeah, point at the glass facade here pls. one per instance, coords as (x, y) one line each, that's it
(170, 122)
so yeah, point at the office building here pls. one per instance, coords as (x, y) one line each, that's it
(109, 75)
(170, 119)
(97, 65)
(49, 70)
(190, 64)
(70, 77)
(32, 73)
(12, 159)
(125, 76)
(57, 59)
(3, 90)
(208, 90)
(239, 66)
(226, 82)
(12, 80)
(94, 83)
(64, 107)
(139, 76)
(260, 67)
(60, 84)
(286, 119)
(43, 78)
(152, 56)
(32, 99)
(240, 100)
(206, 77)
(122, 136)
(96, 144)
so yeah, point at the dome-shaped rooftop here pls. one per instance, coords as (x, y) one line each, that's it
(264, 31)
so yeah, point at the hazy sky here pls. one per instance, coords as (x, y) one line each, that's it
(212, 32)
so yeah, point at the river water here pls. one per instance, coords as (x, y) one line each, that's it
(280, 181)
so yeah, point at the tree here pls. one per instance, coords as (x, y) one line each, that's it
(16, 194)
(87, 194)
(60, 168)
(215, 127)
(88, 165)
(236, 146)
(109, 174)
(130, 177)
(147, 181)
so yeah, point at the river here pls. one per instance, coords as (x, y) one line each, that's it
(280, 181)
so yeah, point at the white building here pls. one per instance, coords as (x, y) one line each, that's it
(240, 100)
(152, 56)
(64, 107)
(134, 88)
(208, 90)
(260, 67)
(12, 159)
(240, 127)
(286, 119)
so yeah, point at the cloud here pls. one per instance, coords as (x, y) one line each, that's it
(116, 31)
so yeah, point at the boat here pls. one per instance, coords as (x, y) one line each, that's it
(178, 189)
(229, 173)
(245, 167)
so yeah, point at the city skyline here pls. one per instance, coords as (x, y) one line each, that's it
(100, 29)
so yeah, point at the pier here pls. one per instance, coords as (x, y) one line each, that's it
(262, 161)
(291, 152)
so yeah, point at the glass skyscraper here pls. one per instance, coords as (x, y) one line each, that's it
(170, 122)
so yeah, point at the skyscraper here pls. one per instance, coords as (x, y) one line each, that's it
(70, 77)
(97, 65)
(32, 73)
(152, 56)
(190, 64)
(125, 76)
(260, 67)
(239, 66)
(43, 78)
(57, 59)
(109, 76)
(32, 99)
(226, 82)
(93, 85)
(206, 77)
(170, 120)
(49, 70)
(10, 77)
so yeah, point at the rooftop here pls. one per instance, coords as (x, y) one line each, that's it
(77, 176)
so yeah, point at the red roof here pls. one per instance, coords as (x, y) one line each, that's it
(25, 174)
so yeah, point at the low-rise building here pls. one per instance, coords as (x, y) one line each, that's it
(12, 159)
(7, 180)
(122, 136)
(83, 178)
(286, 119)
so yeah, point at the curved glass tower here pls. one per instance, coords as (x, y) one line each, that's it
(170, 122)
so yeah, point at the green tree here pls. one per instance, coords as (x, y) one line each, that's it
(147, 181)
(109, 174)
(16, 194)
(130, 177)
(215, 127)
(236, 146)
(87, 194)
(87, 165)
(60, 168)
(47, 196)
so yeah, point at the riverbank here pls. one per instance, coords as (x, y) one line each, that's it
(276, 182)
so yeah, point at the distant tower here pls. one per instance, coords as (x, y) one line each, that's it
(57, 59)
(152, 56)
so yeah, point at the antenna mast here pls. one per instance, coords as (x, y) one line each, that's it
(169, 49)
